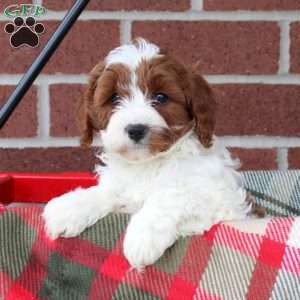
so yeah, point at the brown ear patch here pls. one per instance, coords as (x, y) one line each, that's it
(202, 108)
(84, 124)
(84, 121)
(96, 107)
(189, 99)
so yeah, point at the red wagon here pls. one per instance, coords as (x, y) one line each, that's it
(40, 188)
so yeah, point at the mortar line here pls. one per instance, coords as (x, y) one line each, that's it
(39, 2)
(43, 110)
(125, 31)
(245, 142)
(284, 58)
(178, 16)
(282, 159)
(39, 142)
(258, 79)
(260, 142)
(196, 5)
(12, 79)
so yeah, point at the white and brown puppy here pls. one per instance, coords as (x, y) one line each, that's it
(156, 119)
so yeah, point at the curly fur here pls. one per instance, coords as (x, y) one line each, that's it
(178, 180)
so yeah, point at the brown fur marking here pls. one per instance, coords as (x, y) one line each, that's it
(256, 210)
(190, 97)
(96, 108)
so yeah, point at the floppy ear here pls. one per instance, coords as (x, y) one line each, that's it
(84, 109)
(202, 107)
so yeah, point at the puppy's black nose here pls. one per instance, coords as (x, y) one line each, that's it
(136, 132)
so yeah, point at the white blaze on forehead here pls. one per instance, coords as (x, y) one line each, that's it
(132, 54)
(135, 107)
(137, 111)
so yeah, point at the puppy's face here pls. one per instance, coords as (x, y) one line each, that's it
(142, 101)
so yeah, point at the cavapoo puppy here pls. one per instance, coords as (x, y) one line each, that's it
(163, 165)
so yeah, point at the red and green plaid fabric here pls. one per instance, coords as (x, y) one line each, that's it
(251, 259)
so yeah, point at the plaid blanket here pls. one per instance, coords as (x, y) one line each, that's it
(277, 191)
(250, 259)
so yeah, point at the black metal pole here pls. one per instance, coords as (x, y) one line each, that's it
(38, 64)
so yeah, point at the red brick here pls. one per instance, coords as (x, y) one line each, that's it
(47, 159)
(295, 47)
(246, 109)
(251, 4)
(23, 121)
(294, 158)
(64, 100)
(109, 5)
(83, 159)
(84, 46)
(257, 109)
(219, 47)
(256, 159)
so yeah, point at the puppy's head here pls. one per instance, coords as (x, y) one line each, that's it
(142, 101)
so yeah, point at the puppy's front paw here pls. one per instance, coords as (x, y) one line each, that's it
(68, 215)
(144, 246)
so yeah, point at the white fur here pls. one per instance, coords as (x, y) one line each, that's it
(182, 191)
(134, 110)
(131, 55)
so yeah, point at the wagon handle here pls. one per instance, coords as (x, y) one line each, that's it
(41, 60)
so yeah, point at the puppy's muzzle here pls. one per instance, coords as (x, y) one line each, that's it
(136, 132)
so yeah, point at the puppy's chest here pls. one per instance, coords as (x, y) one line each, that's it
(132, 197)
(135, 186)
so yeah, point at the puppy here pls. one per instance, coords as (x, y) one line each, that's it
(163, 165)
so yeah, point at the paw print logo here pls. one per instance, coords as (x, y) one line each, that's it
(24, 32)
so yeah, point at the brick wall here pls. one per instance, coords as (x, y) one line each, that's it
(248, 50)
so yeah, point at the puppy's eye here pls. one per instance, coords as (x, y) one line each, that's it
(114, 98)
(161, 98)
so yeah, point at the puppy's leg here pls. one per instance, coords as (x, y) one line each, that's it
(71, 213)
(150, 232)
